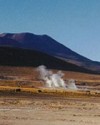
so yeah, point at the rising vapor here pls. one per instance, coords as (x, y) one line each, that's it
(54, 80)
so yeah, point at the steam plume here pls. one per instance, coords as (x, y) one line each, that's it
(71, 84)
(51, 80)
(54, 79)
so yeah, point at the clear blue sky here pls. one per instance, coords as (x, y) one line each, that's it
(74, 23)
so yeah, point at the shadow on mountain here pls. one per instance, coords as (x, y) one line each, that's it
(23, 57)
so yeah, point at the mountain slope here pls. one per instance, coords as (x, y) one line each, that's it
(49, 46)
(23, 57)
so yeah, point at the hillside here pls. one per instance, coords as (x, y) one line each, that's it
(42, 49)
(22, 57)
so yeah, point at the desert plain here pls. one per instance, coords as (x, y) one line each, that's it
(25, 101)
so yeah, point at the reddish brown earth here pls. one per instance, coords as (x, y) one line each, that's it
(19, 108)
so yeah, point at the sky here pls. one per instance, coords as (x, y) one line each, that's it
(74, 23)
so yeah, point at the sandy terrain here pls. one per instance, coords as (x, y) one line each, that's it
(39, 109)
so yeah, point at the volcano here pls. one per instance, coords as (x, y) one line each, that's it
(27, 49)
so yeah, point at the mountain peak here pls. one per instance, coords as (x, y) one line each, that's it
(46, 44)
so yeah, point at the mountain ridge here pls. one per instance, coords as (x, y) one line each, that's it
(47, 45)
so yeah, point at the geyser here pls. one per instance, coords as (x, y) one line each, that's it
(71, 84)
(51, 79)
(54, 80)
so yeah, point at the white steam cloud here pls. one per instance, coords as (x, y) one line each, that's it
(71, 84)
(55, 80)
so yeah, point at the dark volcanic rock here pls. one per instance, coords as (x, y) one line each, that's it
(28, 42)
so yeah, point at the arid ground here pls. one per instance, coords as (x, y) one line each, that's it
(49, 110)
(24, 101)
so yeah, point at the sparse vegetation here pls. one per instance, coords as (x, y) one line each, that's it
(23, 79)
